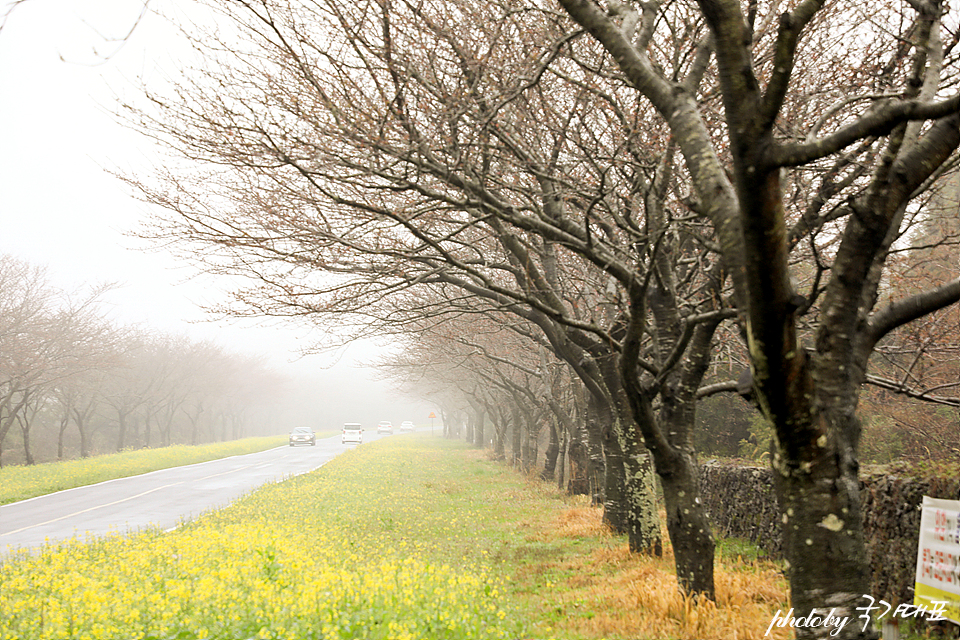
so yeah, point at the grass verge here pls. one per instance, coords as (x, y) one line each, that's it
(405, 538)
(29, 481)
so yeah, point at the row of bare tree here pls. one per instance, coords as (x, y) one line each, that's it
(73, 383)
(644, 192)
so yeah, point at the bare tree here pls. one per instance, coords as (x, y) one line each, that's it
(46, 337)
(903, 125)
(26, 296)
(388, 171)
(385, 147)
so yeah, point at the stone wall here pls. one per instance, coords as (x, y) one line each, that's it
(742, 504)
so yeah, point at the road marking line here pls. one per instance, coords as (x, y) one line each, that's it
(99, 506)
(223, 473)
(139, 475)
(70, 515)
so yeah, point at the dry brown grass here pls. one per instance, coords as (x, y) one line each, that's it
(578, 522)
(612, 593)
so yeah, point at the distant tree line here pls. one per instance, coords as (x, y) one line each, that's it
(73, 383)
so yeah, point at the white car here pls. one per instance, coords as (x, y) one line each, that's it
(406, 425)
(385, 426)
(352, 432)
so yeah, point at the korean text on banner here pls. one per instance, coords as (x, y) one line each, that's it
(938, 557)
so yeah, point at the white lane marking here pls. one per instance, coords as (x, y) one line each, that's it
(223, 473)
(99, 506)
(138, 475)
(151, 490)
(110, 504)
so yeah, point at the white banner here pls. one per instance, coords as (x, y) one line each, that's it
(938, 558)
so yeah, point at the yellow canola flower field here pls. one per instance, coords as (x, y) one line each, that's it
(337, 553)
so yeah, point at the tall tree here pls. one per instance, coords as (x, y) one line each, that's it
(345, 199)
(878, 137)
(387, 147)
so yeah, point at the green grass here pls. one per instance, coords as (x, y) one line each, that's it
(401, 539)
(28, 481)
(734, 548)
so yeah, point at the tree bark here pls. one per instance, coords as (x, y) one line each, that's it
(819, 497)
(615, 507)
(84, 440)
(516, 441)
(643, 521)
(499, 432)
(122, 432)
(562, 457)
(552, 452)
(596, 466)
(64, 423)
(479, 437)
(25, 430)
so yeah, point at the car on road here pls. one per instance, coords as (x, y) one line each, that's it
(352, 432)
(303, 435)
(406, 425)
(385, 426)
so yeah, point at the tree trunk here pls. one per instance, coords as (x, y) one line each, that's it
(818, 490)
(499, 436)
(642, 517)
(668, 437)
(84, 444)
(12, 411)
(578, 454)
(688, 523)
(64, 423)
(596, 467)
(516, 453)
(823, 547)
(147, 429)
(166, 428)
(562, 458)
(122, 433)
(25, 430)
(530, 451)
(552, 452)
(195, 424)
(689, 527)
(479, 439)
(615, 507)
(499, 449)
(560, 429)
(133, 433)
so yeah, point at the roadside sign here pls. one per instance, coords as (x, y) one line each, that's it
(938, 558)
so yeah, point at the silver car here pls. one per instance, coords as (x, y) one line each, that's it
(303, 435)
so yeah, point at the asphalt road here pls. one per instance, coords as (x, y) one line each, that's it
(160, 498)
